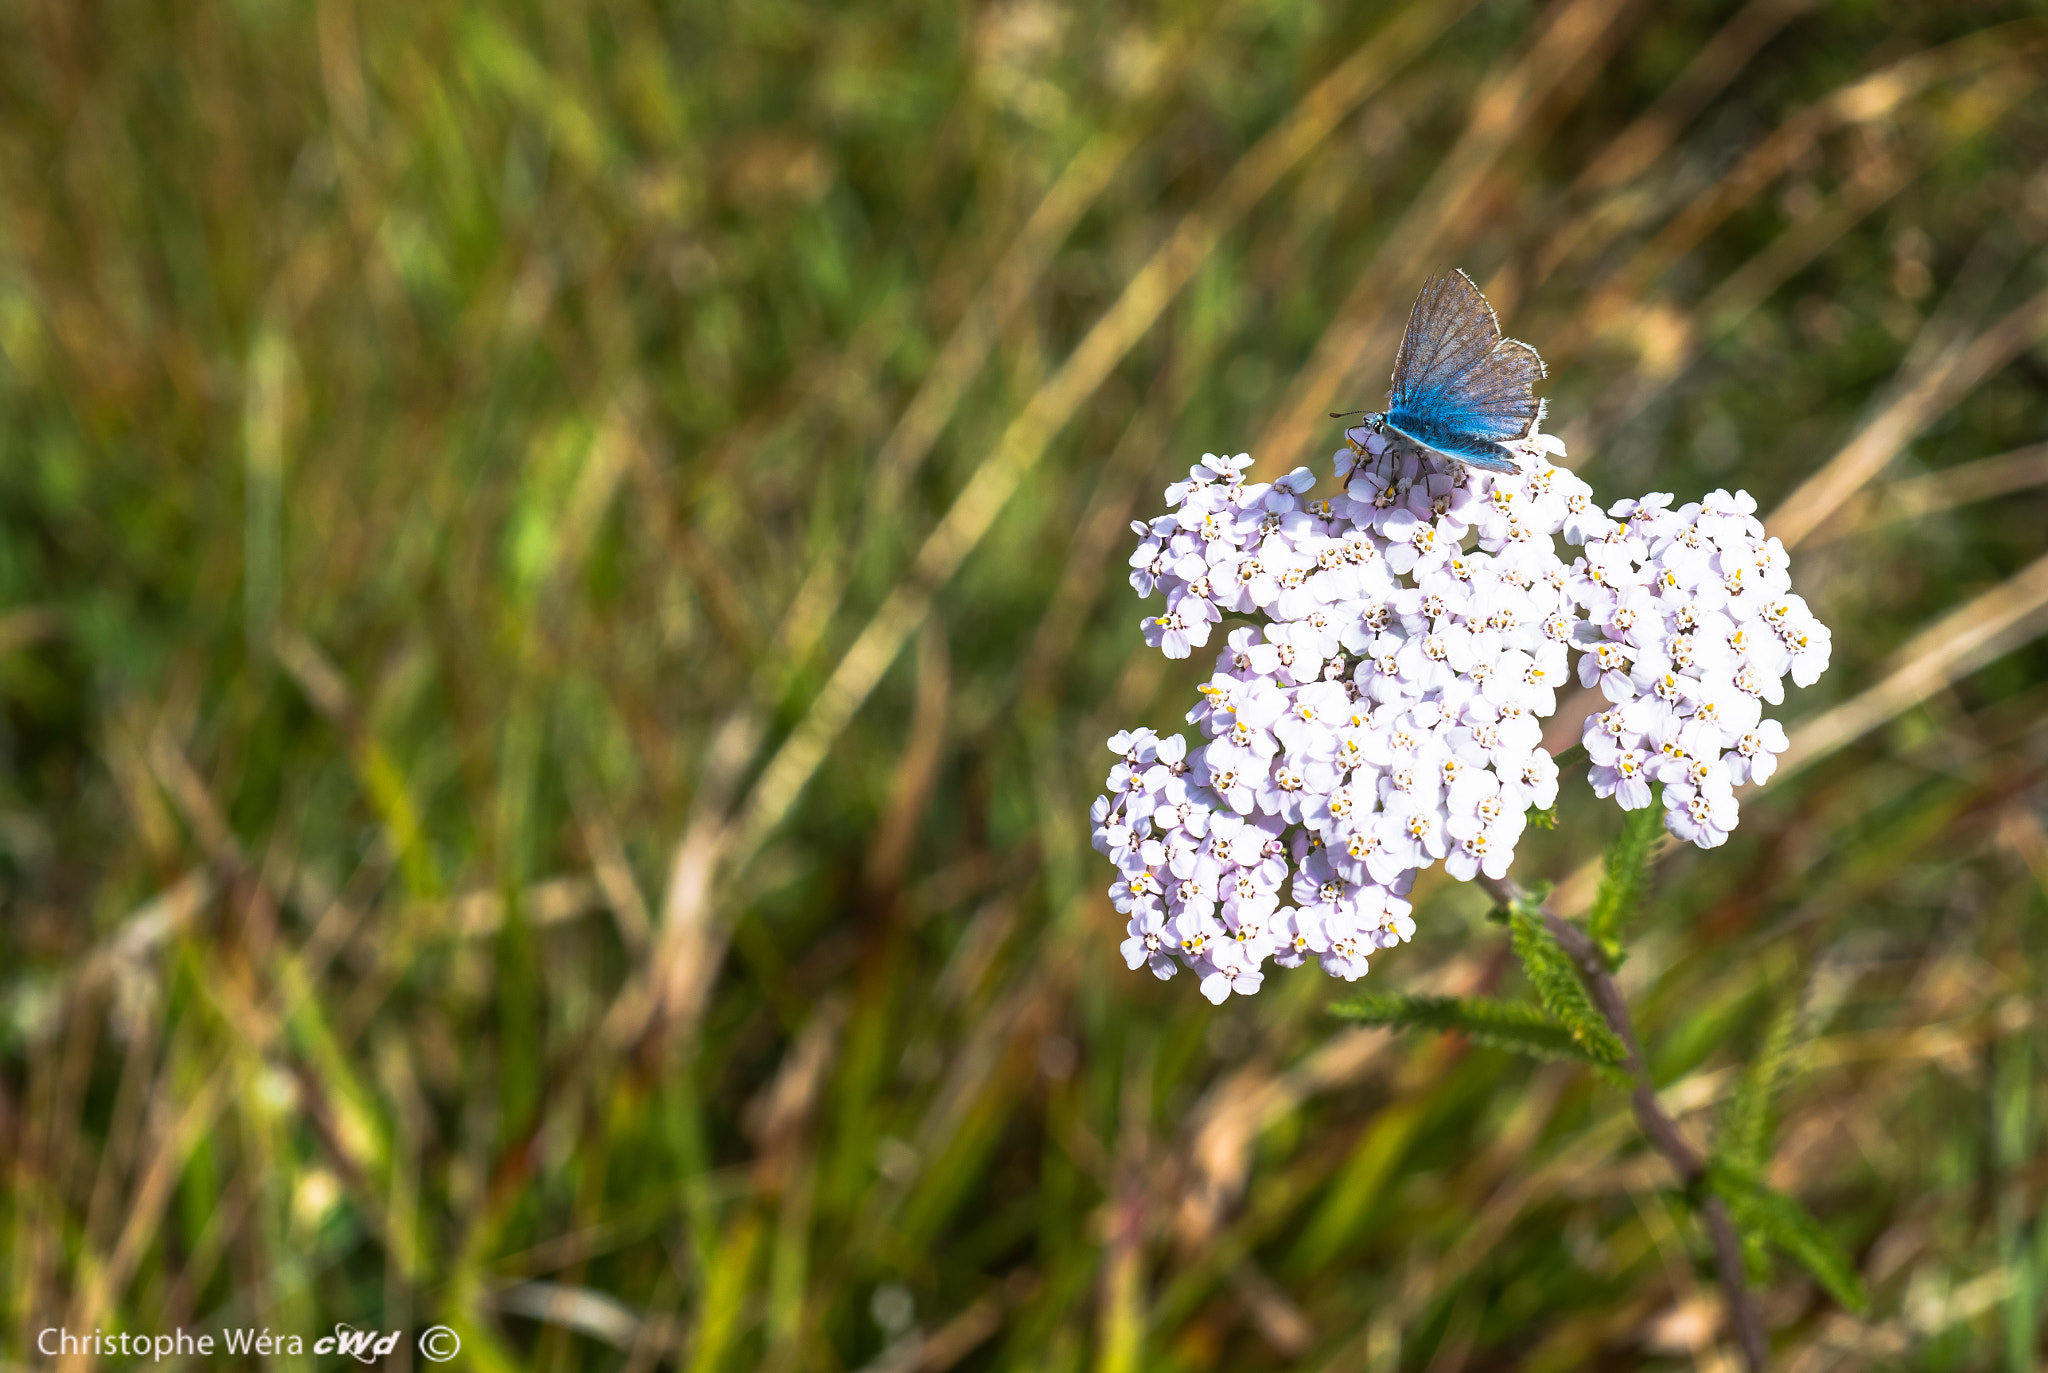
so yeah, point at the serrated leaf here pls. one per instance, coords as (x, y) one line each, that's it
(1623, 877)
(1510, 1025)
(1556, 980)
(1743, 1141)
(1758, 1210)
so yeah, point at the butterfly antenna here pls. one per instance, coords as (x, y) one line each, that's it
(1345, 414)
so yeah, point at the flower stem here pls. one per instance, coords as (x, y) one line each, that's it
(1657, 1126)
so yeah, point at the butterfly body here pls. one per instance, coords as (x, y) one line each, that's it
(1460, 390)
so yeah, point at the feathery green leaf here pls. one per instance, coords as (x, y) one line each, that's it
(1557, 984)
(1499, 1024)
(1758, 1210)
(1623, 878)
(1744, 1138)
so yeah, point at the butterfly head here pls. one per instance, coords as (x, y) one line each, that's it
(1356, 436)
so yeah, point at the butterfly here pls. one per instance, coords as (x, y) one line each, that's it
(1460, 389)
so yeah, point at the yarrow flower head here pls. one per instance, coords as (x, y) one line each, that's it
(1694, 641)
(1379, 708)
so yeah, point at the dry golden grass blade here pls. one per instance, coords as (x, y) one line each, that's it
(1869, 100)
(55, 1150)
(2021, 831)
(964, 1333)
(612, 869)
(1919, 402)
(1521, 1186)
(1693, 1333)
(182, 782)
(1638, 147)
(1716, 64)
(690, 953)
(143, 932)
(383, 783)
(1749, 285)
(550, 901)
(728, 608)
(593, 1313)
(140, 1014)
(36, 1170)
(1103, 524)
(688, 945)
(1913, 498)
(993, 309)
(917, 770)
(1670, 341)
(26, 625)
(1965, 639)
(1439, 221)
(100, 1283)
(779, 1117)
(1214, 1159)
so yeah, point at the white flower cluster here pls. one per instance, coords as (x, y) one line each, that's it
(1691, 628)
(1384, 710)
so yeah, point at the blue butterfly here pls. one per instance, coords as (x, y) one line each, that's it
(1460, 389)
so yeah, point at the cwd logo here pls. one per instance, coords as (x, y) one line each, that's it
(365, 1346)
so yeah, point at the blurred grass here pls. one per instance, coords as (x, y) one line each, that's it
(560, 590)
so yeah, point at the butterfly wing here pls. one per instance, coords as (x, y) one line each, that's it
(1459, 387)
(1500, 392)
(1451, 329)
(1447, 434)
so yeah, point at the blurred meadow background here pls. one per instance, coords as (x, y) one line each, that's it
(562, 590)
